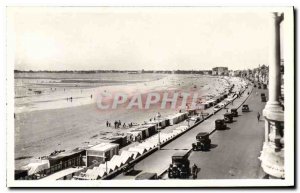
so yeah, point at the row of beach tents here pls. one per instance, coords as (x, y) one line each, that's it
(129, 155)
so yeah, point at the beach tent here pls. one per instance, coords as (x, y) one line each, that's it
(162, 122)
(145, 132)
(147, 145)
(116, 160)
(178, 117)
(135, 154)
(101, 152)
(125, 158)
(33, 168)
(152, 128)
(182, 128)
(134, 135)
(103, 167)
(127, 154)
(138, 149)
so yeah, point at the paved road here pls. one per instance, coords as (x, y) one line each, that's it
(160, 160)
(236, 150)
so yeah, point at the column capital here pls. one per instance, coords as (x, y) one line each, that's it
(278, 18)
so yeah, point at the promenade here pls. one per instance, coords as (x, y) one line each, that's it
(243, 140)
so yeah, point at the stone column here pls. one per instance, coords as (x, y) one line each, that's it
(272, 155)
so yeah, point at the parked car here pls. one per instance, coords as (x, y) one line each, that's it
(220, 124)
(234, 112)
(228, 118)
(245, 108)
(264, 86)
(180, 167)
(203, 142)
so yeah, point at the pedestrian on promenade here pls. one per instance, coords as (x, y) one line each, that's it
(194, 171)
(107, 123)
(258, 116)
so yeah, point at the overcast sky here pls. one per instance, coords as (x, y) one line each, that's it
(138, 38)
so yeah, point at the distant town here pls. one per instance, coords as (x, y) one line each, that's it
(260, 73)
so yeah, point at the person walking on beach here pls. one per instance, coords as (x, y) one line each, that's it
(116, 124)
(258, 116)
(107, 123)
(120, 123)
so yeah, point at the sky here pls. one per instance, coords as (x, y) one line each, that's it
(63, 38)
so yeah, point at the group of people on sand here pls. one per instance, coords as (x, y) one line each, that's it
(118, 124)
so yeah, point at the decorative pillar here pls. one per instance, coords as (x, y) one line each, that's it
(272, 154)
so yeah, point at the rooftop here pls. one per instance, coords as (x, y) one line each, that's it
(103, 146)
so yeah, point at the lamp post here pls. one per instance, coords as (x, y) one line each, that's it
(106, 159)
(158, 129)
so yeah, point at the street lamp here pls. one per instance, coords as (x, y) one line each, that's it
(106, 160)
(158, 129)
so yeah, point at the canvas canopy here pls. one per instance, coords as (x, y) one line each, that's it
(33, 168)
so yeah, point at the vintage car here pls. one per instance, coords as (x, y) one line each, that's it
(263, 98)
(264, 86)
(228, 118)
(254, 85)
(147, 176)
(180, 167)
(203, 142)
(245, 108)
(234, 112)
(220, 124)
(259, 86)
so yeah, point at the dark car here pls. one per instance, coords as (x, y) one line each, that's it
(245, 108)
(255, 85)
(259, 87)
(203, 142)
(263, 99)
(234, 112)
(147, 176)
(220, 124)
(180, 167)
(264, 86)
(228, 118)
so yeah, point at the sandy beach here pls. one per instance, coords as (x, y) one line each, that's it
(60, 125)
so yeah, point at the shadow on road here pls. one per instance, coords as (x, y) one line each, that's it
(133, 173)
(212, 146)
